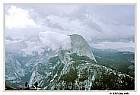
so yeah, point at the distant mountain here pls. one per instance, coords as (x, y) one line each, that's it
(76, 68)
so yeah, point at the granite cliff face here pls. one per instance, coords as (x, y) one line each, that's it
(81, 47)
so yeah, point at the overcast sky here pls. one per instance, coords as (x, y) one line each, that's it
(103, 26)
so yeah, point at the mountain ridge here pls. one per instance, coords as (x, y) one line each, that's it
(72, 69)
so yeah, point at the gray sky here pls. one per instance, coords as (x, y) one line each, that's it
(103, 26)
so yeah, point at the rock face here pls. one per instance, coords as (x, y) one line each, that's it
(74, 69)
(79, 73)
(13, 69)
(81, 47)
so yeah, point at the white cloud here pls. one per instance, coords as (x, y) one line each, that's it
(55, 40)
(121, 46)
(67, 25)
(18, 18)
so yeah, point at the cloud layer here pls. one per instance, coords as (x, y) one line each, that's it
(40, 25)
(18, 18)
